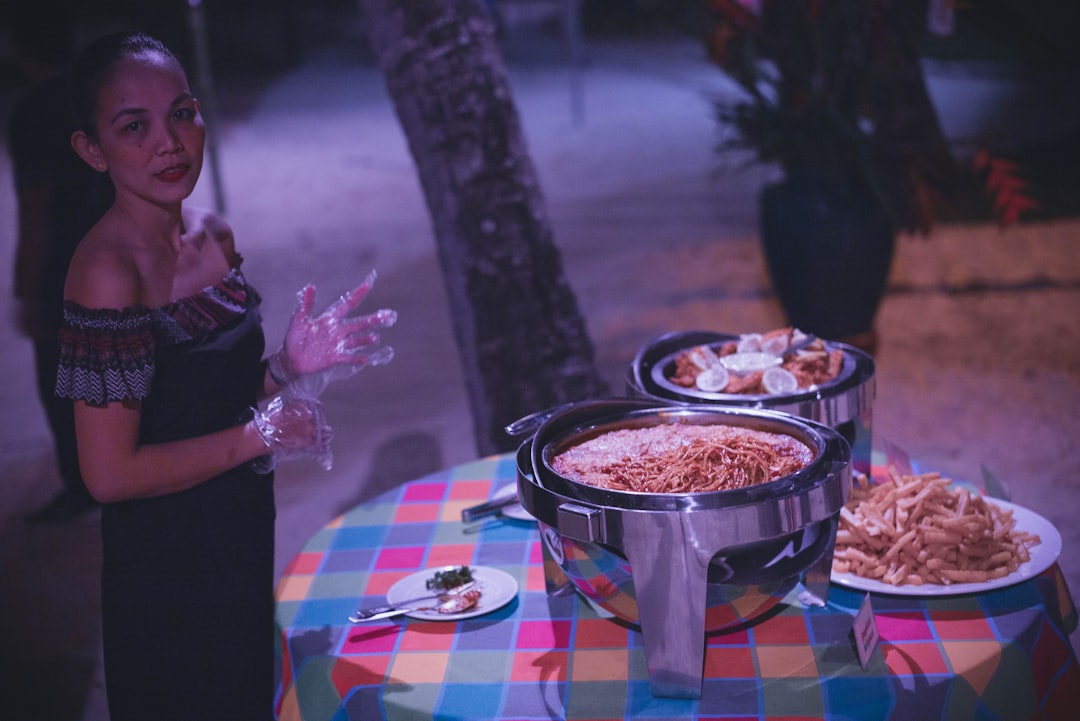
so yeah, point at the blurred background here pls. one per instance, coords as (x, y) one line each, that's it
(978, 331)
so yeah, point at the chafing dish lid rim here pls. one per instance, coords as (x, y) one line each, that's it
(588, 419)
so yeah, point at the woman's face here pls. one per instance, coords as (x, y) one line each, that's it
(150, 135)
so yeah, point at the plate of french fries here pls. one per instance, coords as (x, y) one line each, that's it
(923, 535)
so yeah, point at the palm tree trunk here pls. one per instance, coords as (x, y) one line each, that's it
(522, 340)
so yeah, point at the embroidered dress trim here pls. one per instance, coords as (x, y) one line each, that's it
(108, 355)
(216, 306)
(105, 354)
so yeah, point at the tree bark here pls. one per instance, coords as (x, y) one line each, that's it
(523, 343)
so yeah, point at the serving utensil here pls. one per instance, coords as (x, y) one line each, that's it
(488, 508)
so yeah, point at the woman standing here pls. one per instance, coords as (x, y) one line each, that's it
(161, 351)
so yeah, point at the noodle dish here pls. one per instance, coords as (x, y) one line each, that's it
(682, 458)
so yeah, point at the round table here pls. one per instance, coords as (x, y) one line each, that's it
(1000, 655)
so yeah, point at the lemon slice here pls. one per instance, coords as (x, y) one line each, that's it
(749, 362)
(777, 345)
(713, 380)
(749, 343)
(779, 380)
(703, 357)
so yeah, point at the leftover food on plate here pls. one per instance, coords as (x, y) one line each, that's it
(459, 600)
(449, 578)
(682, 458)
(488, 590)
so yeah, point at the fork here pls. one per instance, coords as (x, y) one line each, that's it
(380, 612)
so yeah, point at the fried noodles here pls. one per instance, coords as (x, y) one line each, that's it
(674, 458)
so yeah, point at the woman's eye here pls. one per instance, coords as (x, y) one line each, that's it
(133, 127)
(184, 114)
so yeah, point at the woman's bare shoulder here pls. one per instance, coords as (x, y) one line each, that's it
(103, 273)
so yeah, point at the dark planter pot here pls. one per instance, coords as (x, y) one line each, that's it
(828, 245)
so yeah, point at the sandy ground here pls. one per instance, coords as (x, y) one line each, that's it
(978, 365)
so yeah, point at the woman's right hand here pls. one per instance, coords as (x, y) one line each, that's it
(293, 427)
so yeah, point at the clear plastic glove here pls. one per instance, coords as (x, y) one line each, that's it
(293, 428)
(332, 346)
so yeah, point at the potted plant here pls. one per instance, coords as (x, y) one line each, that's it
(833, 93)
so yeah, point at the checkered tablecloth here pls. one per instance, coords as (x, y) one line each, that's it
(1002, 655)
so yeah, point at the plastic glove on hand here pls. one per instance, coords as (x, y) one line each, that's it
(332, 345)
(293, 428)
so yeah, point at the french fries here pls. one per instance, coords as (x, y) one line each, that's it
(917, 530)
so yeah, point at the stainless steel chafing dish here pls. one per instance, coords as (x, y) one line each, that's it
(844, 403)
(682, 565)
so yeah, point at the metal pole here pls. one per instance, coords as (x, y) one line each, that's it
(574, 39)
(201, 42)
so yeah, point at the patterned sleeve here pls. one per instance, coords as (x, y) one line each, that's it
(105, 355)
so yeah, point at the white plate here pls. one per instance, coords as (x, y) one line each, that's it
(514, 510)
(496, 587)
(1042, 557)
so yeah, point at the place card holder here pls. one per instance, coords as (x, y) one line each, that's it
(865, 631)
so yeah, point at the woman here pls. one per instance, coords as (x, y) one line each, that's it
(161, 350)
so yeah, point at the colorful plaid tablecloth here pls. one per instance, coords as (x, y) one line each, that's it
(1003, 655)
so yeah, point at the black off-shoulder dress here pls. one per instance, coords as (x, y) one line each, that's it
(187, 579)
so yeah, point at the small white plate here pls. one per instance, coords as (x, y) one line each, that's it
(496, 588)
(514, 510)
(1042, 557)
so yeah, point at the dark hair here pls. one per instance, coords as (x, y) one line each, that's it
(93, 65)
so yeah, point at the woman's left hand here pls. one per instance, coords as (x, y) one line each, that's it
(331, 346)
